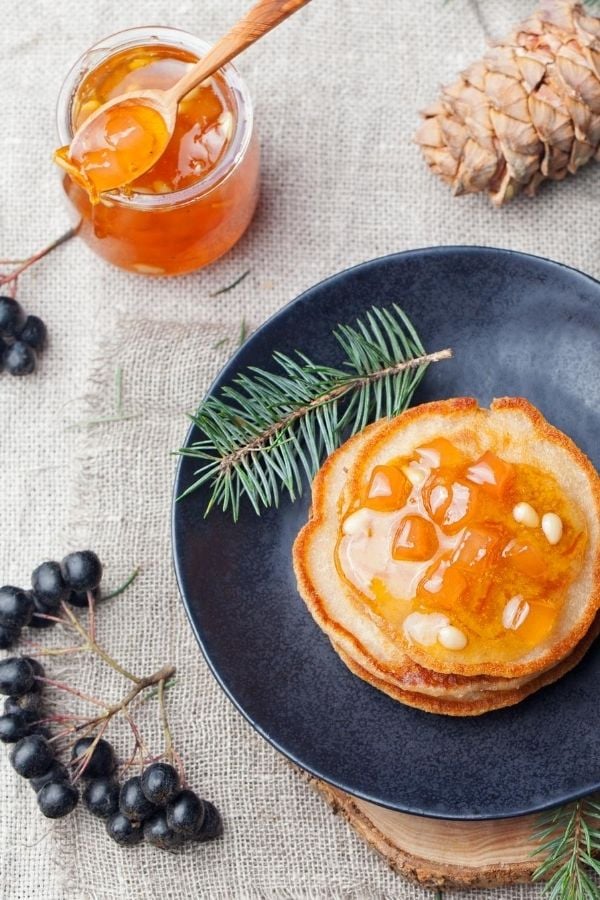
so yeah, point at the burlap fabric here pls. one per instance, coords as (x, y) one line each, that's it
(336, 92)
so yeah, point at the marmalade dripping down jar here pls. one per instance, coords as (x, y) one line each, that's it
(198, 199)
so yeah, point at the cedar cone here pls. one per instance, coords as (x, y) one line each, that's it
(528, 111)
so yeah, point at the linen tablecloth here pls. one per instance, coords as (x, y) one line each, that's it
(337, 90)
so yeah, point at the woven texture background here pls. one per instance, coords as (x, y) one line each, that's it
(336, 92)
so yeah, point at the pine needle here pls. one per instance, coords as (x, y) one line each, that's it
(569, 839)
(267, 432)
(234, 284)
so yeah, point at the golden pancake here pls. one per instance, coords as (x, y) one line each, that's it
(558, 478)
(350, 626)
(486, 701)
(367, 631)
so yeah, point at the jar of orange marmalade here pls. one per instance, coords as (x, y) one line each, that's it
(199, 198)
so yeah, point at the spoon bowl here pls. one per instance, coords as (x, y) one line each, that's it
(125, 137)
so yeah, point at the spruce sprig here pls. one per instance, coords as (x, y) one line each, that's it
(569, 840)
(268, 430)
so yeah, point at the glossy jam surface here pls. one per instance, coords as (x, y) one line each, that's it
(125, 226)
(438, 539)
(115, 147)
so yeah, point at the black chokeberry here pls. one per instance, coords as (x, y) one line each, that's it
(123, 830)
(49, 585)
(29, 704)
(101, 796)
(40, 611)
(12, 316)
(80, 598)
(19, 359)
(38, 669)
(212, 826)
(9, 635)
(33, 332)
(16, 606)
(56, 772)
(102, 760)
(160, 782)
(132, 801)
(185, 813)
(32, 756)
(158, 833)
(13, 727)
(57, 799)
(82, 570)
(16, 676)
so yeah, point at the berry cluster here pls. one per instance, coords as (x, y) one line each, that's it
(150, 806)
(21, 337)
(153, 807)
(51, 584)
(33, 755)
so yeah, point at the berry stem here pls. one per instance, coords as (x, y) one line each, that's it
(139, 741)
(31, 260)
(94, 647)
(92, 619)
(83, 761)
(123, 705)
(62, 686)
(55, 651)
(165, 721)
(124, 586)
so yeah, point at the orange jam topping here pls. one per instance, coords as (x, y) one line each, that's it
(448, 544)
(415, 539)
(124, 140)
(388, 489)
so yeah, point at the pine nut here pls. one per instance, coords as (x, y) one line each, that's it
(515, 612)
(525, 514)
(452, 638)
(415, 473)
(358, 523)
(423, 628)
(552, 527)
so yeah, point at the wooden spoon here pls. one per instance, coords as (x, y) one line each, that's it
(125, 137)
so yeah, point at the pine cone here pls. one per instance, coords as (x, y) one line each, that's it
(528, 111)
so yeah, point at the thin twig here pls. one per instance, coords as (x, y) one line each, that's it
(25, 264)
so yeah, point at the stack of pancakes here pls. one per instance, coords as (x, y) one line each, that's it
(517, 432)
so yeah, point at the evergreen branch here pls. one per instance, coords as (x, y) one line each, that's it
(569, 839)
(269, 430)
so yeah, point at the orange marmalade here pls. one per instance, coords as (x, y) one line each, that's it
(460, 554)
(197, 200)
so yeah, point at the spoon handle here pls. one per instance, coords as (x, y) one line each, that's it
(258, 21)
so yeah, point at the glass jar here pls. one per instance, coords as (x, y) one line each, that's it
(168, 232)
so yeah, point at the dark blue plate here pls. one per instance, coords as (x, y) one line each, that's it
(519, 325)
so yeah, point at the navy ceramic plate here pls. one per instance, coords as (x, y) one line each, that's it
(518, 325)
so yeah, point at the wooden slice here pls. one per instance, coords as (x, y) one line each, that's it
(439, 853)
